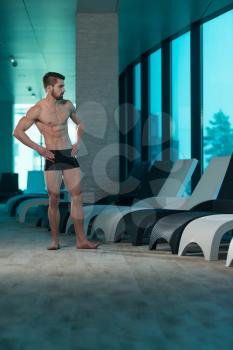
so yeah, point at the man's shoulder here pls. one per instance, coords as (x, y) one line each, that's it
(69, 105)
(35, 110)
(67, 102)
(40, 104)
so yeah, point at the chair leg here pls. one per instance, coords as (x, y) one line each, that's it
(137, 236)
(229, 261)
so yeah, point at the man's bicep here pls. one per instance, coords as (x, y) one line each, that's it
(27, 121)
(30, 118)
(24, 123)
(73, 115)
(75, 118)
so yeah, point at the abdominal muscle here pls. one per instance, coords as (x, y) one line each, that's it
(55, 137)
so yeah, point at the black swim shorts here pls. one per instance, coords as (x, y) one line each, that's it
(62, 160)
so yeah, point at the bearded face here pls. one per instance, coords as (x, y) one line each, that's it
(57, 90)
(57, 95)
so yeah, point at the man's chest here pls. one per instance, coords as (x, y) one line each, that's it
(54, 117)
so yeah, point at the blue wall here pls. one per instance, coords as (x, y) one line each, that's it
(6, 143)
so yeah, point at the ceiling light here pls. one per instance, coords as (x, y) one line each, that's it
(13, 61)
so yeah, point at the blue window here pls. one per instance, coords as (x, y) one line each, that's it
(218, 87)
(155, 106)
(181, 98)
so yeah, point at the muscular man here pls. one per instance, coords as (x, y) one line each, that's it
(50, 115)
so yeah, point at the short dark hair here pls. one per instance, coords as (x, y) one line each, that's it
(50, 78)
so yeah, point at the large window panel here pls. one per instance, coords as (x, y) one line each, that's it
(181, 98)
(218, 87)
(25, 158)
(155, 106)
(137, 110)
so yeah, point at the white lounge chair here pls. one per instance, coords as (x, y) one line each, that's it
(207, 233)
(229, 261)
(132, 220)
(214, 184)
(26, 205)
(137, 185)
(35, 188)
(174, 185)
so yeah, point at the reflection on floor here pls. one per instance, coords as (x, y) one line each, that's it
(119, 297)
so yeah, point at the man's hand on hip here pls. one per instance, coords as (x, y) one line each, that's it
(46, 154)
(74, 149)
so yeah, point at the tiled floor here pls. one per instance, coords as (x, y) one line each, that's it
(118, 297)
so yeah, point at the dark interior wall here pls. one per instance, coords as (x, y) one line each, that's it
(6, 138)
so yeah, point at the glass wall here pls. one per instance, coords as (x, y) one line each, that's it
(155, 106)
(214, 113)
(137, 110)
(218, 87)
(181, 98)
(24, 157)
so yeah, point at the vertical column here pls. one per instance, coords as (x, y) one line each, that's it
(166, 100)
(130, 118)
(123, 126)
(196, 100)
(97, 102)
(145, 108)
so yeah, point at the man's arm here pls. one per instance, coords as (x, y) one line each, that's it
(77, 121)
(20, 132)
(23, 125)
(80, 128)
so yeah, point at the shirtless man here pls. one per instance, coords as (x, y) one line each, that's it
(50, 115)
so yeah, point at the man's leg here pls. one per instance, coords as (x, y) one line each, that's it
(53, 180)
(72, 182)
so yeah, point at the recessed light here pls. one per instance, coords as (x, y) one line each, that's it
(13, 61)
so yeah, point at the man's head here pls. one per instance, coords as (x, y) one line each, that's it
(54, 84)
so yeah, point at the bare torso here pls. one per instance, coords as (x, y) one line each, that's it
(53, 124)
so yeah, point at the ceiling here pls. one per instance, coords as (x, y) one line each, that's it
(145, 23)
(98, 6)
(41, 35)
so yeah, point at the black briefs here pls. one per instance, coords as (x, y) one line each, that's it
(62, 160)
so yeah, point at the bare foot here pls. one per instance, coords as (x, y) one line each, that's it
(85, 244)
(54, 246)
